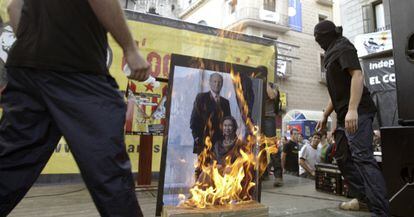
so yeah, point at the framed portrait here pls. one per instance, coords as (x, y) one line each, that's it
(212, 110)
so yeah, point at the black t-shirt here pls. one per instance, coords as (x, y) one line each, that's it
(60, 35)
(339, 86)
(292, 152)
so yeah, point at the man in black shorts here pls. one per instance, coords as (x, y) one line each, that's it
(355, 111)
(290, 154)
(59, 85)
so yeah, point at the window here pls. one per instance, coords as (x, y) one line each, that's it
(373, 17)
(367, 18)
(379, 15)
(322, 17)
(323, 70)
(295, 15)
(269, 5)
(322, 60)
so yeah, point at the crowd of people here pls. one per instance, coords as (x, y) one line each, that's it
(299, 158)
(296, 156)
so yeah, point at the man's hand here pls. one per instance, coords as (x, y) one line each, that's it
(271, 93)
(139, 67)
(328, 110)
(351, 121)
(322, 124)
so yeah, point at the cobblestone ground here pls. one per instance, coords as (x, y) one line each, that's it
(296, 198)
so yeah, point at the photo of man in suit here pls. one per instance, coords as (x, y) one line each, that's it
(209, 106)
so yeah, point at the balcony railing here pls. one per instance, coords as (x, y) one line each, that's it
(325, 2)
(384, 28)
(261, 15)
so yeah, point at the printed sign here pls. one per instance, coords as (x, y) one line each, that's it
(373, 43)
(379, 74)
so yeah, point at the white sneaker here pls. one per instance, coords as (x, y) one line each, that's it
(353, 205)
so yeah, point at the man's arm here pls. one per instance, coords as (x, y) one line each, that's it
(328, 111)
(271, 93)
(303, 155)
(15, 11)
(305, 166)
(286, 149)
(226, 109)
(195, 120)
(283, 159)
(357, 85)
(111, 16)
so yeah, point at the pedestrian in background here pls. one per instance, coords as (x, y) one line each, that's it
(308, 157)
(269, 129)
(290, 154)
(302, 141)
(59, 85)
(323, 147)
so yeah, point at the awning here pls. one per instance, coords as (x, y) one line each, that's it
(297, 115)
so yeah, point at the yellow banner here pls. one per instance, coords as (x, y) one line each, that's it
(4, 16)
(157, 43)
(62, 161)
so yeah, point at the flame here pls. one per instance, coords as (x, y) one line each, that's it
(232, 182)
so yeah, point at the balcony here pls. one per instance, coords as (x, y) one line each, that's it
(325, 2)
(249, 16)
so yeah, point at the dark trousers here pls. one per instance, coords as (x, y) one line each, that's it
(354, 155)
(276, 163)
(39, 108)
(269, 130)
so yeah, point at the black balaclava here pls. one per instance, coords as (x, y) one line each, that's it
(330, 38)
(325, 33)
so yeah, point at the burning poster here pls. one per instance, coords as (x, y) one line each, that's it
(211, 147)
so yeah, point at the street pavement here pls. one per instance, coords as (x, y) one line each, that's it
(297, 198)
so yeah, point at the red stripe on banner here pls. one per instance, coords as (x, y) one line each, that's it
(154, 100)
(164, 91)
(143, 107)
(133, 87)
(130, 109)
(145, 160)
(129, 116)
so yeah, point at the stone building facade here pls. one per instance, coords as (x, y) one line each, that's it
(364, 16)
(166, 8)
(290, 23)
